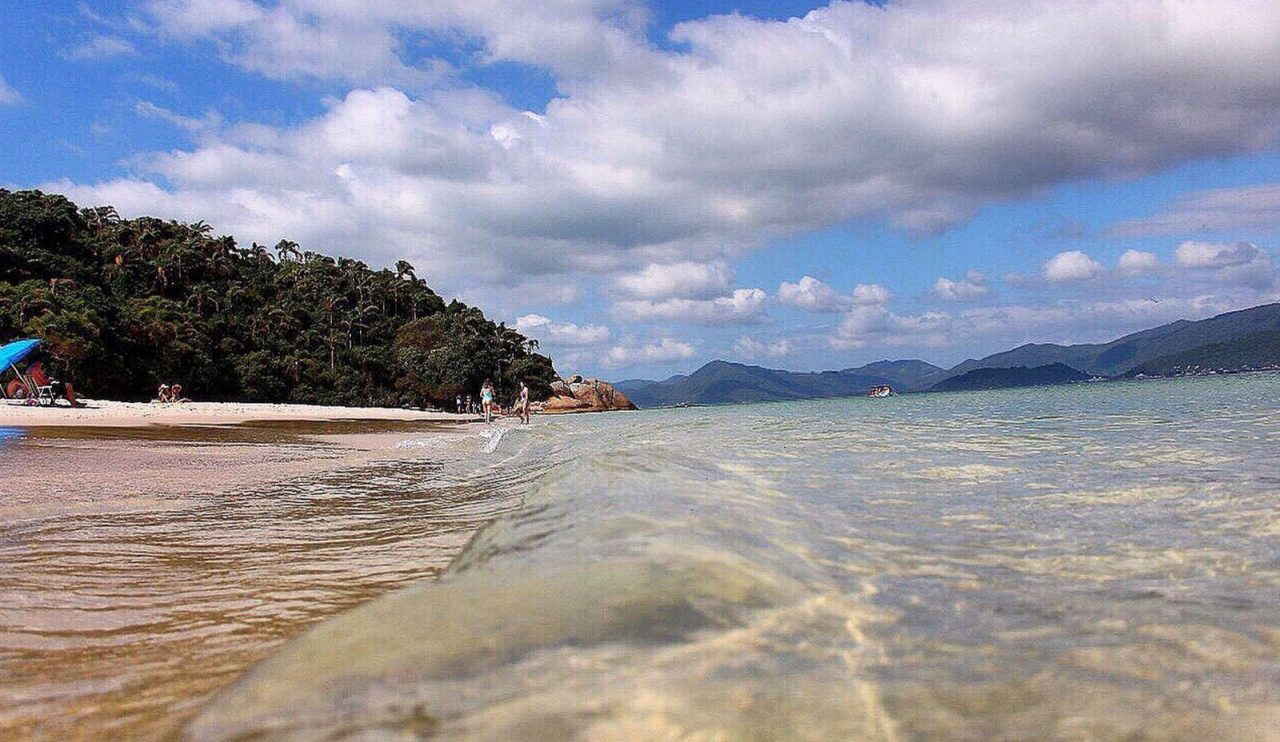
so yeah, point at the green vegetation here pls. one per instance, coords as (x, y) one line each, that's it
(1007, 378)
(1123, 354)
(1252, 352)
(125, 304)
(721, 382)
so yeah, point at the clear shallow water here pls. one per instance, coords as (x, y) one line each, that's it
(1085, 562)
(128, 594)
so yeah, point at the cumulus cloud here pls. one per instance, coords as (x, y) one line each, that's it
(811, 294)
(982, 330)
(815, 296)
(1137, 262)
(8, 95)
(545, 329)
(748, 347)
(698, 149)
(970, 288)
(1070, 267)
(683, 280)
(361, 42)
(1255, 208)
(869, 325)
(743, 306)
(1242, 263)
(866, 294)
(663, 351)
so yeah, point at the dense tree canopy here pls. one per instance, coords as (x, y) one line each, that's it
(122, 305)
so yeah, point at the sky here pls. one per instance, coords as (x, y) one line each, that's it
(647, 186)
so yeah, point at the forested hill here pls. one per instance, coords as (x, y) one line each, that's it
(122, 305)
(721, 382)
(1007, 378)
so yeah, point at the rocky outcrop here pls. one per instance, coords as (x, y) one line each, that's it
(585, 395)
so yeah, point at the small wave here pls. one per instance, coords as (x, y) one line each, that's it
(493, 438)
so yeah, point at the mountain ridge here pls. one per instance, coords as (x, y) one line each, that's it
(1239, 339)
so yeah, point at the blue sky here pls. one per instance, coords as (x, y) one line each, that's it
(648, 186)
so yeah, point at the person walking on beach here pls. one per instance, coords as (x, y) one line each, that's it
(458, 404)
(522, 404)
(486, 400)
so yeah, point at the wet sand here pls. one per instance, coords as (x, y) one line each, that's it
(143, 568)
(107, 413)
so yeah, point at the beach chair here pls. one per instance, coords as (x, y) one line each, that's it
(11, 355)
(43, 388)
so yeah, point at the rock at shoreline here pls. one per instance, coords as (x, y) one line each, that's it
(585, 395)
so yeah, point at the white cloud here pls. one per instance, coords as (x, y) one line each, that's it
(1242, 263)
(743, 306)
(683, 280)
(1137, 262)
(148, 109)
(561, 333)
(811, 294)
(1193, 254)
(814, 295)
(970, 288)
(701, 148)
(869, 325)
(1254, 208)
(1071, 266)
(199, 17)
(866, 294)
(748, 347)
(664, 351)
(981, 330)
(362, 42)
(8, 96)
(99, 48)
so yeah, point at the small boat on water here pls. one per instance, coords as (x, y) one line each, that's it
(881, 391)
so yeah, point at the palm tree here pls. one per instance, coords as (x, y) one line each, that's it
(288, 250)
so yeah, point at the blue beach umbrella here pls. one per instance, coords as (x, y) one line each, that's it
(16, 351)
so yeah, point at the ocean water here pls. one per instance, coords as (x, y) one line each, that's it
(1091, 562)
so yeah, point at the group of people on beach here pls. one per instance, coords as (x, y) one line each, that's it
(489, 405)
(170, 394)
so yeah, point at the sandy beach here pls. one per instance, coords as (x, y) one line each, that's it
(106, 413)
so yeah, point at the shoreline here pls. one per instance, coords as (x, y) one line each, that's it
(112, 414)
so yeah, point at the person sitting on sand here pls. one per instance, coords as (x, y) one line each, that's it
(57, 387)
(486, 400)
(163, 395)
(175, 394)
(522, 403)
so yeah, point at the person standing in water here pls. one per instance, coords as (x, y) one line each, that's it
(486, 400)
(522, 403)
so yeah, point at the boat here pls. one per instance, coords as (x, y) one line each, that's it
(881, 391)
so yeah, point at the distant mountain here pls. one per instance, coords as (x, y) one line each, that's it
(627, 386)
(1121, 355)
(1251, 352)
(721, 382)
(905, 376)
(1005, 378)
(1244, 339)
